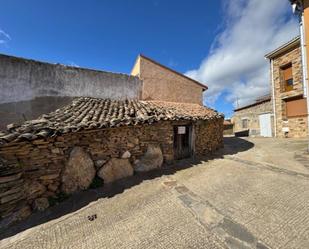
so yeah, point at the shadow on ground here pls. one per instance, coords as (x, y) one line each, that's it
(232, 145)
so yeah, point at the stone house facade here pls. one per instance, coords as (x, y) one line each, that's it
(164, 84)
(257, 118)
(289, 98)
(66, 150)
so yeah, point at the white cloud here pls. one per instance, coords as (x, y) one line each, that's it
(4, 37)
(236, 64)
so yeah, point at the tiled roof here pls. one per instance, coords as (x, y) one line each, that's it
(227, 122)
(92, 113)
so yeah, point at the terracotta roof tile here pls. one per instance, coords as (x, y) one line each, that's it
(91, 113)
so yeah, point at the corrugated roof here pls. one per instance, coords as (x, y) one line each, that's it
(87, 113)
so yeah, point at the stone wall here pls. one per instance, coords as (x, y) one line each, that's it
(24, 82)
(32, 173)
(297, 125)
(252, 114)
(160, 83)
(208, 136)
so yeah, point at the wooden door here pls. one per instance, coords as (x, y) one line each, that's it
(182, 141)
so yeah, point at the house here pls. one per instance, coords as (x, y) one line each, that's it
(289, 90)
(228, 127)
(65, 150)
(254, 119)
(83, 124)
(163, 83)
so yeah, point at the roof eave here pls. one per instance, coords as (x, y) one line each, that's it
(285, 47)
(252, 105)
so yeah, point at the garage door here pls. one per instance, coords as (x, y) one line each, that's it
(265, 125)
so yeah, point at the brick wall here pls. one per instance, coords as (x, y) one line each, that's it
(32, 170)
(297, 125)
(160, 83)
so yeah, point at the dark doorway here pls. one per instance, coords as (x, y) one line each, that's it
(182, 141)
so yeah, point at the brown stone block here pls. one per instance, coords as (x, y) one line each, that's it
(40, 141)
(49, 177)
(14, 197)
(9, 178)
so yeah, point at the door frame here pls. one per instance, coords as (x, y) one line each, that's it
(191, 138)
(269, 114)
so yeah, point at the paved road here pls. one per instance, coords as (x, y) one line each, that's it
(252, 194)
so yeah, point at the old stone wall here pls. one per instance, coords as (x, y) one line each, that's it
(36, 167)
(208, 136)
(24, 84)
(160, 83)
(33, 173)
(252, 114)
(297, 125)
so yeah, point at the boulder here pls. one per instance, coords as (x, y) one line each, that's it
(99, 163)
(115, 169)
(40, 204)
(152, 159)
(79, 171)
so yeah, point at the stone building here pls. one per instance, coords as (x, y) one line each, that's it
(163, 83)
(228, 127)
(256, 118)
(288, 90)
(91, 138)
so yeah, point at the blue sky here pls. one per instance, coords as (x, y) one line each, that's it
(193, 37)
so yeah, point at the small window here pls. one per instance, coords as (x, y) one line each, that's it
(245, 123)
(287, 77)
(296, 107)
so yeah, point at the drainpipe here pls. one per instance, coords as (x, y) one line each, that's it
(304, 66)
(273, 95)
(303, 56)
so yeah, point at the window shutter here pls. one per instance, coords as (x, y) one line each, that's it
(287, 73)
(296, 108)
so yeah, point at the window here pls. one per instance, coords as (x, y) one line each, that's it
(296, 107)
(245, 123)
(287, 77)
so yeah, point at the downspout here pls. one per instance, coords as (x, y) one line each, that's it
(304, 66)
(273, 95)
(303, 56)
